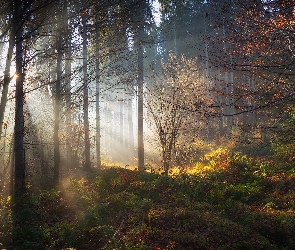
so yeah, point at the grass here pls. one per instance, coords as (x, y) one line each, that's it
(229, 201)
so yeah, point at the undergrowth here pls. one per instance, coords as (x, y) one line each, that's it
(228, 201)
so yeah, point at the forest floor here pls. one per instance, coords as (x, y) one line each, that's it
(228, 201)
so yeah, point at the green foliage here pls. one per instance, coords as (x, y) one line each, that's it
(284, 141)
(244, 192)
(229, 201)
(5, 221)
(28, 237)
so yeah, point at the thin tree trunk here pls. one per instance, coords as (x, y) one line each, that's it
(6, 79)
(140, 88)
(67, 87)
(11, 186)
(7, 168)
(165, 161)
(57, 101)
(97, 90)
(227, 94)
(231, 89)
(87, 164)
(166, 154)
(209, 126)
(206, 53)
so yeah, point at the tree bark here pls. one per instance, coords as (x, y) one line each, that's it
(67, 86)
(140, 87)
(226, 86)
(6, 79)
(57, 101)
(97, 90)
(19, 152)
(87, 164)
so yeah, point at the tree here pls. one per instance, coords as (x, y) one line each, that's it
(87, 164)
(7, 76)
(97, 90)
(135, 14)
(177, 101)
(67, 79)
(140, 33)
(265, 61)
(20, 8)
(57, 99)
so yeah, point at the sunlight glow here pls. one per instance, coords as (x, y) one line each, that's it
(14, 76)
(157, 12)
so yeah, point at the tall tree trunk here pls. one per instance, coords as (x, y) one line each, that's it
(87, 164)
(209, 126)
(57, 101)
(97, 90)
(6, 79)
(231, 89)
(67, 87)
(19, 153)
(11, 186)
(226, 83)
(140, 86)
